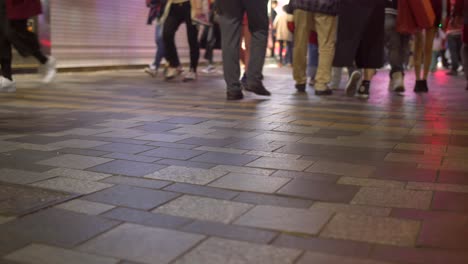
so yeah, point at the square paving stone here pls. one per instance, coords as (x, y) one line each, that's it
(186, 175)
(275, 200)
(138, 182)
(352, 209)
(146, 218)
(131, 157)
(85, 207)
(202, 191)
(448, 201)
(380, 230)
(72, 185)
(123, 148)
(218, 250)
(77, 174)
(79, 143)
(42, 254)
(230, 232)
(281, 164)
(225, 158)
(133, 197)
(285, 219)
(320, 191)
(204, 209)
(74, 161)
(343, 169)
(142, 244)
(21, 177)
(127, 168)
(252, 183)
(393, 198)
(56, 227)
(172, 153)
(313, 257)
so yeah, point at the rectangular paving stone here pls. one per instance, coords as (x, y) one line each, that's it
(307, 176)
(202, 191)
(259, 145)
(83, 152)
(79, 143)
(285, 219)
(85, 207)
(281, 164)
(450, 201)
(77, 174)
(37, 253)
(131, 157)
(127, 168)
(418, 255)
(320, 191)
(225, 158)
(273, 154)
(184, 120)
(171, 153)
(343, 169)
(123, 148)
(72, 185)
(184, 163)
(214, 250)
(36, 139)
(393, 198)
(124, 133)
(325, 245)
(204, 209)
(220, 149)
(380, 230)
(186, 175)
(313, 257)
(429, 186)
(56, 227)
(171, 138)
(156, 127)
(133, 197)
(138, 182)
(453, 177)
(274, 200)
(21, 177)
(72, 161)
(352, 209)
(405, 174)
(171, 145)
(209, 142)
(245, 170)
(142, 244)
(249, 182)
(146, 218)
(230, 232)
(367, 182)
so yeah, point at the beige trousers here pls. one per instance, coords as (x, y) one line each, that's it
(325, 26)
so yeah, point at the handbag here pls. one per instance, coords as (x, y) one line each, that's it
(405, 19)
(423, 13)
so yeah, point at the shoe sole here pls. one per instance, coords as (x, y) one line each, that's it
(152, 74)
(351, 86)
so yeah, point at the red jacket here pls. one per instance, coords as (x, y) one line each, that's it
(23, 9)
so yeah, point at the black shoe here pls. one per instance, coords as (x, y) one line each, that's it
(324, 92)
(236, 95)
(467, 87)
(421, 87)
(258, 89)
(363, 90)
(301, 87)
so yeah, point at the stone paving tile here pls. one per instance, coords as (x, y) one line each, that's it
(245, 170)
(225, 158)
(156, 127)
(171, 153)
(273, 155)
(366, 182)
(123, 148)
(325, 245)
(137, 182)
(127, 168)
(453, 177)
(209, 142)
(130, 196)
(216, 250)
(41, 140)
(142, 244)
(72, 185)
(281, 164)
(202, 191)
(285, 219)
(170, 138)
(185, 120)
(278, 137)
(429, 186)
(123, 133)
(21, 177)
(4, 220)
(393, 198)
(343, 169)
(444, 232)
(56, 227)
(83, 152)
(230, 232)
(38, 254)
(193, 130)
(131, 157)
(118, 140)
(186, 175)
(297, 129)
(405, 174)
(72, 161)
(79, 143)
(184, 163)
(85, 207)
(172, 145)
(425, 159)
(77, 174)
(312, 257)
(352, 209)
(419, 255)
(146, 218)
(204, 209)
(380, 230)
(249, 182)
(307, 176)
(319, 191)
(449, 201)
(274, 200)
(256, 144)
(224, 150)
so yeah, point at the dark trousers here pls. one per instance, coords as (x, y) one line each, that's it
(178, 14)
(397, 45)
(232, 12)
(465, 59)
(455, 45)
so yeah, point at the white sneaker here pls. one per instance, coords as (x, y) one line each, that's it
(7, 86)
(397, 83)
(49, 69)
(190, 76)
(353, 82)
(209, 69)
(152, 70)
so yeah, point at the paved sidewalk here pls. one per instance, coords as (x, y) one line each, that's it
(116, 167)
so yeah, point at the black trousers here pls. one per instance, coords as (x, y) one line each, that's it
(178, 14)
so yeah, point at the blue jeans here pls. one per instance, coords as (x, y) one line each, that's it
(313, 60)
(160, 52)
